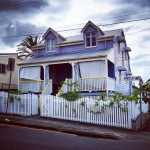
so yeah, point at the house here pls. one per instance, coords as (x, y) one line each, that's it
(5, 73)
(98, 60)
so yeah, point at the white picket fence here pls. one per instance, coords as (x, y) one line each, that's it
(26, 105)
(90, 110)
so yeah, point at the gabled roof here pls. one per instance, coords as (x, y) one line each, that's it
(54, 32)
(79, 38)
(92, 24)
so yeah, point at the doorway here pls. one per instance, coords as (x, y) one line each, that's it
(58, 73)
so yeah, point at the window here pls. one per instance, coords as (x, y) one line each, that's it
(111, 72)
(123, 58)
(90, 39)
(51, 44)
(119, 48)
(2, 68)
(126, 55)
(119, 76)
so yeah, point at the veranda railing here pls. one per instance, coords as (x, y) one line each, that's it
(91, 84)
(31, 85)
(48, 89)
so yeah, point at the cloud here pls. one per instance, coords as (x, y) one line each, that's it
(21, 6)
(141, 56)
(145, 38)
(143, 3)
(24, 10)
(126, 7)
(15, 30)
(25, 16)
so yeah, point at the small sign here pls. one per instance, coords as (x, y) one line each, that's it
(11, 64)
(133, 78)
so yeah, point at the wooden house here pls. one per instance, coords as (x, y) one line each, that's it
(98, 60)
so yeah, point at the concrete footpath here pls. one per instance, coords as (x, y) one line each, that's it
(78, 128)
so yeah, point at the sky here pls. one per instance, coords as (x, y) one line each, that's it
(33, 17)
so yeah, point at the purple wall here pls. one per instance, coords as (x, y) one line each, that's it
(90, 29)
(75, 48)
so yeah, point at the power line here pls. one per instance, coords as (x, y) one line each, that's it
(108, 24)
(126, 21)
(138, 31)
(81, 28)
(21, 35)
(13, 3)
(112, 17)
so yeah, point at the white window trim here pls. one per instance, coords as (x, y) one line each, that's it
(47, 46)
(90, 40)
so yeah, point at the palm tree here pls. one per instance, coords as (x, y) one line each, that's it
(24, 49)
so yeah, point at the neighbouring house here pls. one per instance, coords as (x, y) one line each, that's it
(5, 73)
(98, 60)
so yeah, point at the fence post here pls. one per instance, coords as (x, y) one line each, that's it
(30, 93)
(88, 110)
(129, 114)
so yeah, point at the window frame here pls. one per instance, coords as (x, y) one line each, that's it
(47, 47)
(120, 76)
(123, 57)
(91, 37)
(126, 55)
(2, 69)
(119, 48)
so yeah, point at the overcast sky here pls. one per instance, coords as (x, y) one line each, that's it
(23, 17)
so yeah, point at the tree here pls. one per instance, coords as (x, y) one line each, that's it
(24, 49)
(145, 89)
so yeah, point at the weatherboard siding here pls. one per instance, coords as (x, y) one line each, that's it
(90, 29)
(76, 48)
(123, 86)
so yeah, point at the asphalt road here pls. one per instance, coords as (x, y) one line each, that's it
(20, 138)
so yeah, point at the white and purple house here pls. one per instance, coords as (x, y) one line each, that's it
(98, 60)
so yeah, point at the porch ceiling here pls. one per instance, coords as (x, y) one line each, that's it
(66, 56)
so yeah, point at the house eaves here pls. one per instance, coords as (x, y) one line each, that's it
(92, 24)
(54, 32)
(36, 47)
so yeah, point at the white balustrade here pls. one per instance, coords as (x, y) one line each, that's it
(91, 84)
(48, 88)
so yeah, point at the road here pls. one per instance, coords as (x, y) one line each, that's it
(21, 138)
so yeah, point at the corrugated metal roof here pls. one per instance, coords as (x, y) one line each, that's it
(112, 32)
(66, 56)
(73, 38)
(80, 37)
